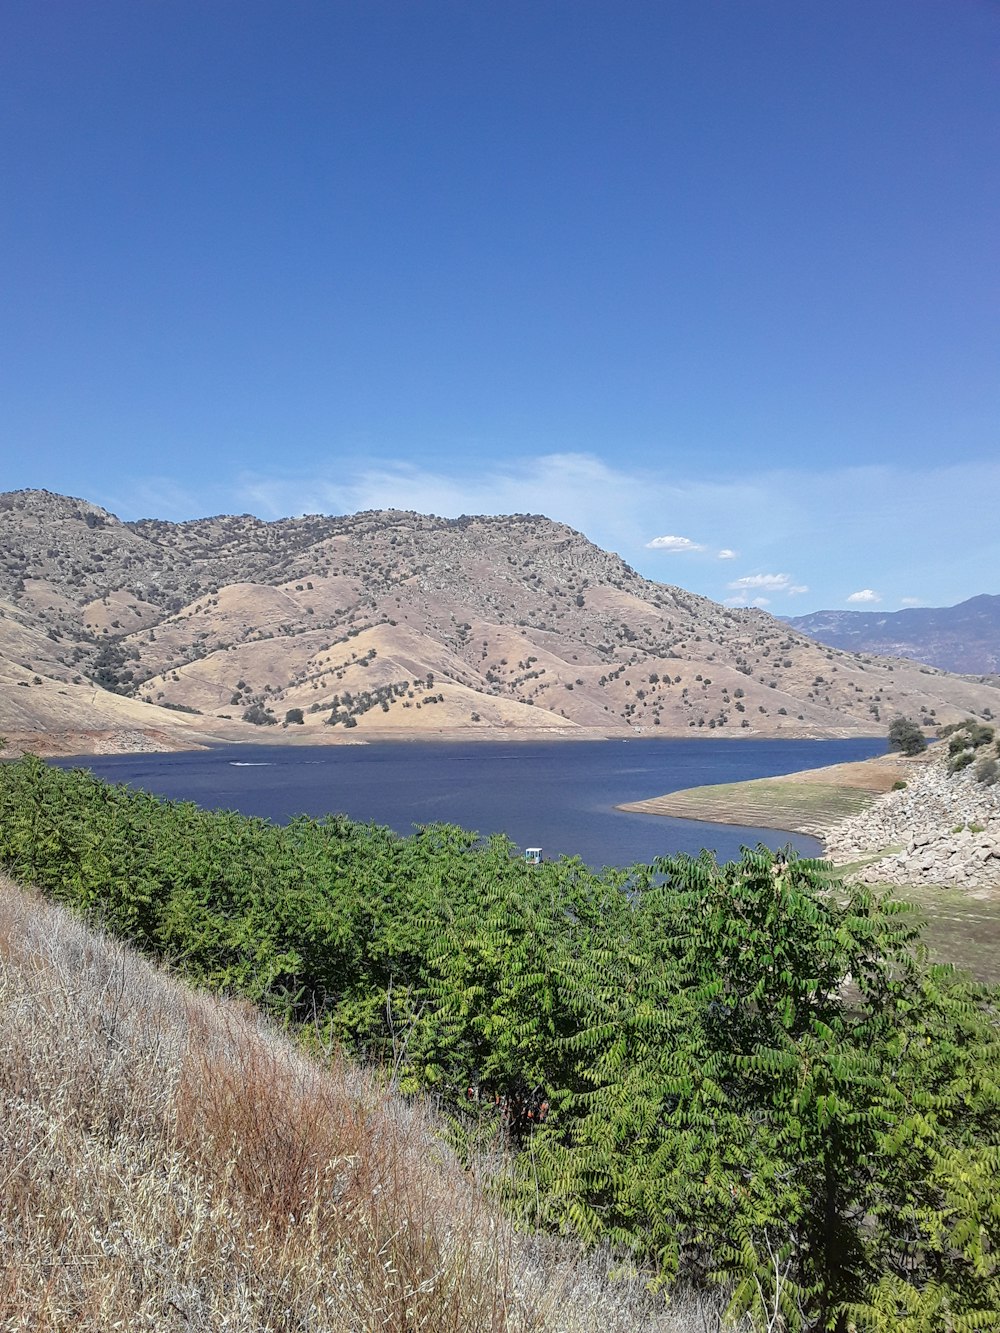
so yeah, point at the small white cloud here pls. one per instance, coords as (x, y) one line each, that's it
(910, 601)
(727, 554)
(865, 595)
(673, 544)
(773, 582)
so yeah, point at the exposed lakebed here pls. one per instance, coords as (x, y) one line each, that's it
(557, 795)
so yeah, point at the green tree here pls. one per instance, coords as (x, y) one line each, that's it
(259, 716)
(906, 737)
(771, 1091)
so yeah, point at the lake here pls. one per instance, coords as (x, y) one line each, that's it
(556, 795)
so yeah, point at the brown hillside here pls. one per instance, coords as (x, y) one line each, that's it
(397, 623)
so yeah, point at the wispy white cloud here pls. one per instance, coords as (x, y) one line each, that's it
(773, 582)
(910, 601)
(673, 544)
(842, 527)
(865, 595)
(578, 489)
(161, 497)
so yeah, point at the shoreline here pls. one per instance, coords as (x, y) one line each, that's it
(123, 741)
(812, 802)
(83, 743)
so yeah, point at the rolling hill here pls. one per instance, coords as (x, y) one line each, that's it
(152, 634)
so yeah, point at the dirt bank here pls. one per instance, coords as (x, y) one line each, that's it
(812, 802)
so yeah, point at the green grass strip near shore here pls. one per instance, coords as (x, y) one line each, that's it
(958, 927)
(797, 807)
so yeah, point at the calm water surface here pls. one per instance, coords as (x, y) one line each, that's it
(557, 795)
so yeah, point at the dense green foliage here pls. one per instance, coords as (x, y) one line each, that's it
(748, 1074)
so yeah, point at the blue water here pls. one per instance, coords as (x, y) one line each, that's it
(556, 795)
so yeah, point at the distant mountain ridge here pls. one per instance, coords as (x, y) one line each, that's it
(399, 624)
(963, 638)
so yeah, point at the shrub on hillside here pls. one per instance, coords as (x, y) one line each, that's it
(968, 732)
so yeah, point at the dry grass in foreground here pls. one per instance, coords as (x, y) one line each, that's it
(169, 1162)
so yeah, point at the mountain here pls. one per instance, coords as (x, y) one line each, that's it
(963, 638)
(152, 634)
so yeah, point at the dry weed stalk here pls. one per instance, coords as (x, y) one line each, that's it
(170, 1162)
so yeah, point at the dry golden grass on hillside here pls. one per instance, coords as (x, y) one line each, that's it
(168, 1161)
(496, 624)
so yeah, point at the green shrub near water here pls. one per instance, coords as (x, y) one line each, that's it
(752, 1076)
(906, 736)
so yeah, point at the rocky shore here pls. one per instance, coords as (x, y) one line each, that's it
(942, 828)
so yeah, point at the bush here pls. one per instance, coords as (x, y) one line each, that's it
(259, 716)
(967, 733)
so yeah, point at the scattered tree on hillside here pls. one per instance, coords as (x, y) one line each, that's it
(259, 716)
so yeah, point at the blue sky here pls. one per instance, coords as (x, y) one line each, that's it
(714, 281)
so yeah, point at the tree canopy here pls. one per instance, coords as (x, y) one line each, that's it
(906, 736)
